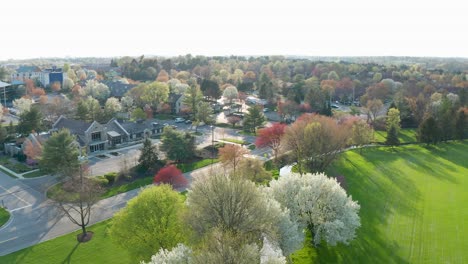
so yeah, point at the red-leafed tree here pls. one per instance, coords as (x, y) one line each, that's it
(233, 120)
(170, 175)
(271, 137)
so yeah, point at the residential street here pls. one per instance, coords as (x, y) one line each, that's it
(34, 219)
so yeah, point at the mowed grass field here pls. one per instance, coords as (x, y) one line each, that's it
(66, 249)
(414, 206)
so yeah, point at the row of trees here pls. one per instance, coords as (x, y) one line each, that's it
(227, 219)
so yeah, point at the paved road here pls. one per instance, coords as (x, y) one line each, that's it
(35, 219)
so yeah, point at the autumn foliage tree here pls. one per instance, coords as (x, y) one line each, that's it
(231, 155)
(33, 150)
(271, 137)
(315, 141)
(56, 86)
(170, 175)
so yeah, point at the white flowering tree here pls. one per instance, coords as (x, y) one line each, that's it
(97, 90)
(271, 253)
(180, 254)
(23, 104)
(112, 106)
(230, 93)
(318, 203)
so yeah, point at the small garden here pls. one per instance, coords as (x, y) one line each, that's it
(4, 216)
(17, 165)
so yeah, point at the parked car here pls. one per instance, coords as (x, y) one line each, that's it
(179, 120)
(241, 115)
(266, 110)
(188, 121)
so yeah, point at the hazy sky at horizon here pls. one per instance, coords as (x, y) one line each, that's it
(55, 28)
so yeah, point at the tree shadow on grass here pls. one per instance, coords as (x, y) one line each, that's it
(381, 191)
(369, 247)
(67, 260)
(456, 152)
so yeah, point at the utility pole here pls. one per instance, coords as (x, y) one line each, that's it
(212, 145)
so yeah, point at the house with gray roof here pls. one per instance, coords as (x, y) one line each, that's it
(98, 137)
(176, 102)
(118, 89)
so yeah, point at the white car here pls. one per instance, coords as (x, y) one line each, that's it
(179, 120)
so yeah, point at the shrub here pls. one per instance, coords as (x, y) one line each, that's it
(111, 176)
(101, 180)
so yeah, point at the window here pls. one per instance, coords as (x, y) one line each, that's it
(96, 136)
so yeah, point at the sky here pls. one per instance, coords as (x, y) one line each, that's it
(57, 28)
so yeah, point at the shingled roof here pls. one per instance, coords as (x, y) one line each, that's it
(75, 126)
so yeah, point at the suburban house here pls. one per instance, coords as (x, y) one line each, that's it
(118, 89)
(97, 137)
(176, 102)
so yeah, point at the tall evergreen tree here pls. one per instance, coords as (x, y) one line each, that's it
(253, 119)
(392, 137)
(149, 155)
(428, 131)
(460, 125)
(60, 154)
(30, 121)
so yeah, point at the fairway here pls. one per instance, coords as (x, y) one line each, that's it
(414, 206)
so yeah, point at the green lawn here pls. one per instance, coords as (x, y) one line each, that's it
(236, 141)
(33, 174)
(413, 206)
(7, 172)
(4, 216)
(406, 135)
(186, 167)
(114, 190)
(66, 249)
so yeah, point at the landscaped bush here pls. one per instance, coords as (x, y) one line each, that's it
(21, 157)
(101, 180)
(111, 176)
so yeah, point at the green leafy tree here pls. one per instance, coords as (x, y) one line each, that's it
(210, 89)
(149, 159)
(265, 87)
(428, 131)
(254, 119)
(60, 154)
(30, 121)
(204, 113)
(149, 222)
(178, 146)
(138, 113)
(89, 110)
(460, 125)
(154, 93)
(362, 133)
(192, 98)
(392, 137)
(393, 120)
(3, 134)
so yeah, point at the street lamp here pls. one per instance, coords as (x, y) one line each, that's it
(212, 145)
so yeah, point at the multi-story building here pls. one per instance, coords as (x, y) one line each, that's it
(44, 76)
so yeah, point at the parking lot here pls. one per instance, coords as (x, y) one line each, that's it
(15, 195)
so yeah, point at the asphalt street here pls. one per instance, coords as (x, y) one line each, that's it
(35, 219)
